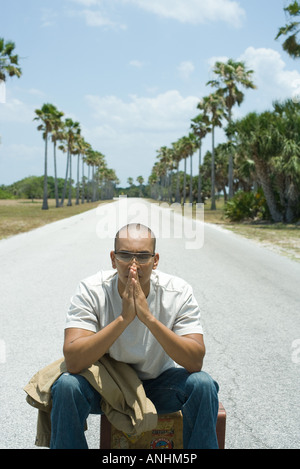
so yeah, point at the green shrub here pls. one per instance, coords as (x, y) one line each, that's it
(5, 194)
(247, 205)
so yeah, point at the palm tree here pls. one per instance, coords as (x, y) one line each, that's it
(80, 149)
(86, 148)
(292, 29)
(56, 135)
(45, 115)
(110, 180)
(64, 148)
(259, 138)
(213, 106)
(159, 170)
(187, 146)
(140, 180)
(152, 181)
(222, 152)
(96, 161)
(286, 163)
(184, 150)
(176, 158)
(89, 159)
(165, 156)
(72, 131)
(228, 76)
(200, 127)
(194, 145)
(102, 176)
(8, 62)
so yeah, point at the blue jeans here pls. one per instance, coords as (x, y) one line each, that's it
(195, 394)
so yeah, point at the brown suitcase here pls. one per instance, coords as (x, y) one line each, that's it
(166, 435)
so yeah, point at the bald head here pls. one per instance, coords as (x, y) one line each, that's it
(135, 231)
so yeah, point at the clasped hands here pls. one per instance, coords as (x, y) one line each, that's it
(134, 301)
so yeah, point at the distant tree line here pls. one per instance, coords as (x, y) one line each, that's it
(32, 187)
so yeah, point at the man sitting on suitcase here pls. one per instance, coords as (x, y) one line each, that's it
(148, 319)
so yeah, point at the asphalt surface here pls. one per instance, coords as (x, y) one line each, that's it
(249, 297)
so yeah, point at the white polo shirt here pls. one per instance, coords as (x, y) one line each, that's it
(97, 303)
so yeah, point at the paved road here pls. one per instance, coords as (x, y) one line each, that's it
(249, 297)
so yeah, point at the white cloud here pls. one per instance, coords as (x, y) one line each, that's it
(87, 3)
(136, 63)
(185, 11)
(271, 77)
(20, 152)
(194, 11)
(165, 112)
(186, 69)
(212, 60)
(129, 132)
(96, 19)
(48, 18)
(14, 110)
(95, 13)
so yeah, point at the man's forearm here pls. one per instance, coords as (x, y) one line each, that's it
(82, 351)
(185, 351)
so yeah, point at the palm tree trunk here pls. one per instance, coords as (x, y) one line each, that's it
(93, 184)
(213, 197)
(230, 176)
(230, 165)
(55, 176)
(45, 197)
(292, 208)
(88, 185)
(191, 179)
(263, 176)
(70, 182)
(83, 187)
(184, 182)
(170, 186)
(77, 190)
(65, 183)
(199, 176)
(177, 198)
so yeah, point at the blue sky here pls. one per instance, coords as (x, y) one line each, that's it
(131, 72)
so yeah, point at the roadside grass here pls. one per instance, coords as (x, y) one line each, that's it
(279, 237)
(20, 215)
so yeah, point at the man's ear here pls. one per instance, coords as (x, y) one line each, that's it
(156, 260)
(113, 259)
